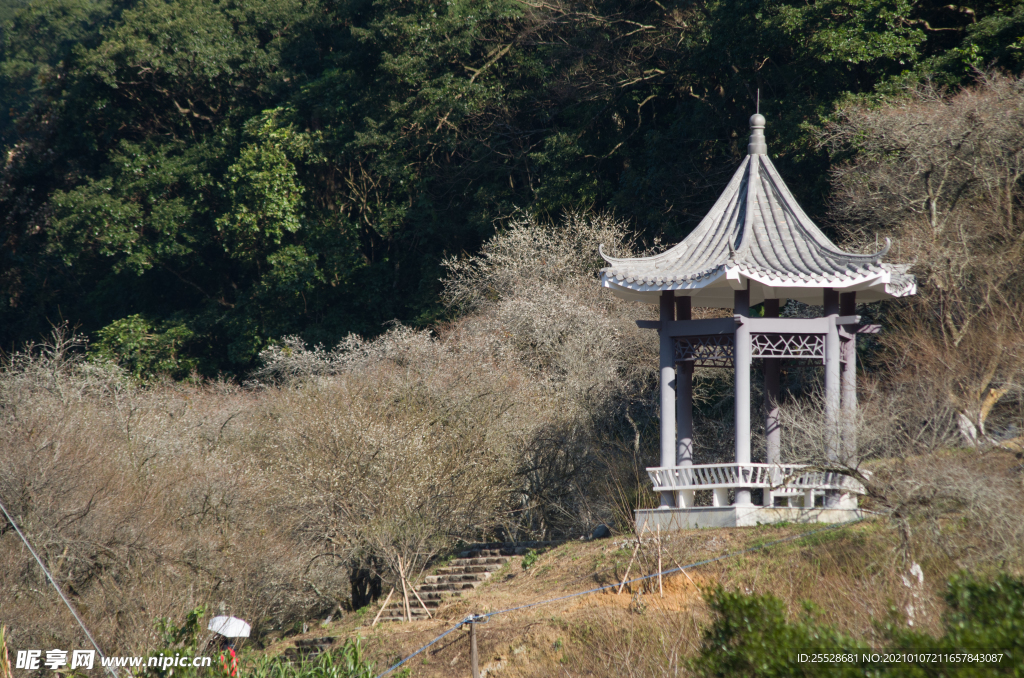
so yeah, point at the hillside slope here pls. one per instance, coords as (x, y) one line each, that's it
(844, 577)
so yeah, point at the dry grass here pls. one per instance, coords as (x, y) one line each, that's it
(848, 578)
(143, 503)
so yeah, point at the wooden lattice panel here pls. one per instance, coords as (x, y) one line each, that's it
(714, 350)
(788, 346)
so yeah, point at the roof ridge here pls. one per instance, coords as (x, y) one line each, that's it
(803, 221)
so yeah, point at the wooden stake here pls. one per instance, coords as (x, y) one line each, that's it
(474, 661)
(639, 538)
(429, 616)
(684, 572)
(405, 591)
(375, 619)
(661, 590)
(5, 659)
(635, 549)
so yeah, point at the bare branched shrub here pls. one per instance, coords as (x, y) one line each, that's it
(949, 504)
(143, 504)
(401, 453)
(513, 421)
(532, 292)
(811, 438)
(529, 251)
(954, 505)
(56, 367)
(942, 173)
(533, 287)
(291, 361)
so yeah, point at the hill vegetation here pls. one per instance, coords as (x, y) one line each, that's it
(189, 181)
(300, 296)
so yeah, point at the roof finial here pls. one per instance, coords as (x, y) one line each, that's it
(757, 145)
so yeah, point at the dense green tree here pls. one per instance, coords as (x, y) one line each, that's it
(150, 175)
(243, 169)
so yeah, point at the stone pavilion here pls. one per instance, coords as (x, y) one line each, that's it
(755, 246)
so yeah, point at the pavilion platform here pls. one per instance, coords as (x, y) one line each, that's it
(672, 519)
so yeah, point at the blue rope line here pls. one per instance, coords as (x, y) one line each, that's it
(457, 626)
(488, 615)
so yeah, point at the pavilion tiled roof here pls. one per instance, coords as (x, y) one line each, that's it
(756, 232)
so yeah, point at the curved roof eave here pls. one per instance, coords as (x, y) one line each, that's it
(755, 229)
(885, 282)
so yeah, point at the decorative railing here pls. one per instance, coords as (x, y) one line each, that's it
(779, 478)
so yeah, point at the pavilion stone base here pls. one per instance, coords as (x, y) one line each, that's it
(669, 519)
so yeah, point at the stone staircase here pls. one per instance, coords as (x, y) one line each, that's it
(471, 569)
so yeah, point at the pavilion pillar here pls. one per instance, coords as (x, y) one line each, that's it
(832, 385)
(684, 408)
(667, 373)
(848, 307)
(772, 429)
(741, 363)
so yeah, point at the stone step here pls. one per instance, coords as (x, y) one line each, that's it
(470, 569)
(456, 578)
(460, 575)
(326, 641)
(415, 604)
(439, 595)
(506, 549)
(392, 611)
(307, 650)
(448, 586)
(488, 553)
(300, 655)
(490, 560)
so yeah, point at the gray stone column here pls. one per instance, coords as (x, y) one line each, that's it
(832, 358)
(667, 368)
(848, 307)
(741, 362)
(772, 431)
(684, 408)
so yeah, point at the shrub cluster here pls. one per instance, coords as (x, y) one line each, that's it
(332, 473)
(751, 635)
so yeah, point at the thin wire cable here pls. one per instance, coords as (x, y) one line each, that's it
(760, 547)
(60, 593)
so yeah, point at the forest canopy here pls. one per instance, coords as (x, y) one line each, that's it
(188, 180)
